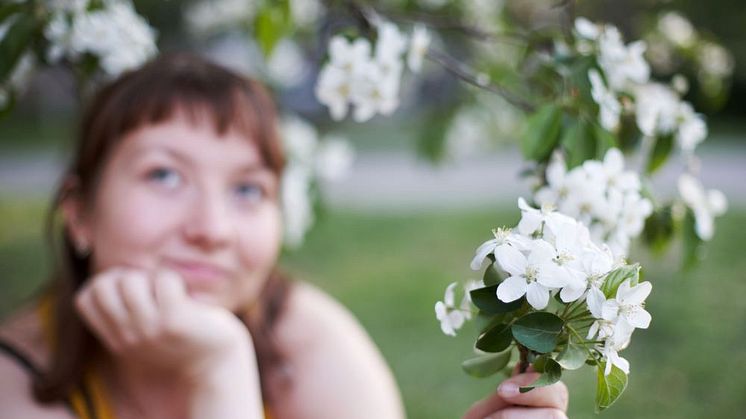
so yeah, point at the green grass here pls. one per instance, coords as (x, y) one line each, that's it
(390, 269)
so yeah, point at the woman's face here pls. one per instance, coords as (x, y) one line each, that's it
(175, 195)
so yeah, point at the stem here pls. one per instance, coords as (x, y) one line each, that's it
(466, 74)
(523, 365)
(580, 340)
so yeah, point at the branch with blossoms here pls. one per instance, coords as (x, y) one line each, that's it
(558, 288)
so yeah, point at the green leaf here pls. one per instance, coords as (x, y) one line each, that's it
(661, 151)
(491, 276)
(271, 24)
(542, 132)
(486, 365)
(551, 372)
(659, 229)
(604, 141)
(609, 387)
(538, 331)
(692, 243)
(15, 41)
(496, 339)
(486, 300)
(573, 356)
(619, 275)
(579, 143)
(484, 321)
(9, 9)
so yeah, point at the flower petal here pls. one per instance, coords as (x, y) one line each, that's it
(569, 294)
(635, 295)
(511, 289)
(639, 318)
(511, 260)
(450, 299)
(595, 301)
(482, 251)
(537, 295)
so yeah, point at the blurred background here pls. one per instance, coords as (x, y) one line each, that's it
(399, 227)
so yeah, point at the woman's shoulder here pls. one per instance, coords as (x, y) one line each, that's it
(24, 331)
(326, 345)
(23, 334)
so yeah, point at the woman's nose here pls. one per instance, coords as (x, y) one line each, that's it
(209, 225)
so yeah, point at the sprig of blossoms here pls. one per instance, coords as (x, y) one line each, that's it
(115, 34)
(366, 78)
(554, 294)
(600, 194)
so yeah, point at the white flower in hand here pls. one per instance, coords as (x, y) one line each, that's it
(533, 276)
(451, 319)
(627, 306)
(610, 353)
(706, 205)
(502, 236)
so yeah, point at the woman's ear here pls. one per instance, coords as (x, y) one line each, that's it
(75, 215)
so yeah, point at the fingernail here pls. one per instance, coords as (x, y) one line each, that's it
(508, 389)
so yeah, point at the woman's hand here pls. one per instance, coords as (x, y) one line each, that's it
(151, 318)
(508, 403)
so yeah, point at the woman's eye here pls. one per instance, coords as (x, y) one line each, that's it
(165, 176)
(249, 191)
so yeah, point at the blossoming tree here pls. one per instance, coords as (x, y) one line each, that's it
(597, 117)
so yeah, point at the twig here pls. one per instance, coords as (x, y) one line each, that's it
(466, 74)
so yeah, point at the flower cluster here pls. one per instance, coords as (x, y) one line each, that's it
(600, 194)
(309, 160)
(558, 295)
(369, 79)
(624, 74)
(115, 34)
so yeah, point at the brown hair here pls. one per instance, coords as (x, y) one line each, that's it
(150, 95)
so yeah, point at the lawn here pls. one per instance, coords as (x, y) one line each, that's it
(390, 269)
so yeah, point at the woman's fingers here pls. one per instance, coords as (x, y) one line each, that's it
(89, 306)
(486, 407)
(137, 295)
(528, 413)
(554, 396)
(170, 290)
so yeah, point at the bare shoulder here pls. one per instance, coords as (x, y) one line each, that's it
(23, 332)
(337, 370)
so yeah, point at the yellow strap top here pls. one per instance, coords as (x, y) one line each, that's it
(88, 401)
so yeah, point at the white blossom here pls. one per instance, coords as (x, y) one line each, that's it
(657, 109)
(627, 306)
(502, 236)
(450, 317)
(677, 29)
(608, 105)
(715, 60)
(209, 16)
(418, 46)
(533, 275)
(623, 65)
(705, 204)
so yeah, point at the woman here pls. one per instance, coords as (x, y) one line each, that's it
(166, 301)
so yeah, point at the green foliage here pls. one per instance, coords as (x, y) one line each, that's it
(542, 132)
(496, 339)
(272, 23)
(572, 356)
(691, 241)
(486, 300)
(618, 276)
(15, 42)
(550, 370)
(491, 276)
(538, 331)
(486, 365)
(659, 155)
(659, 229)
(578, 142)
(609, 387)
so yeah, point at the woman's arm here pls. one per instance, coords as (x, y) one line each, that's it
(337, 371)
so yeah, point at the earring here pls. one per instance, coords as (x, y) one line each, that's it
(83, 249)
